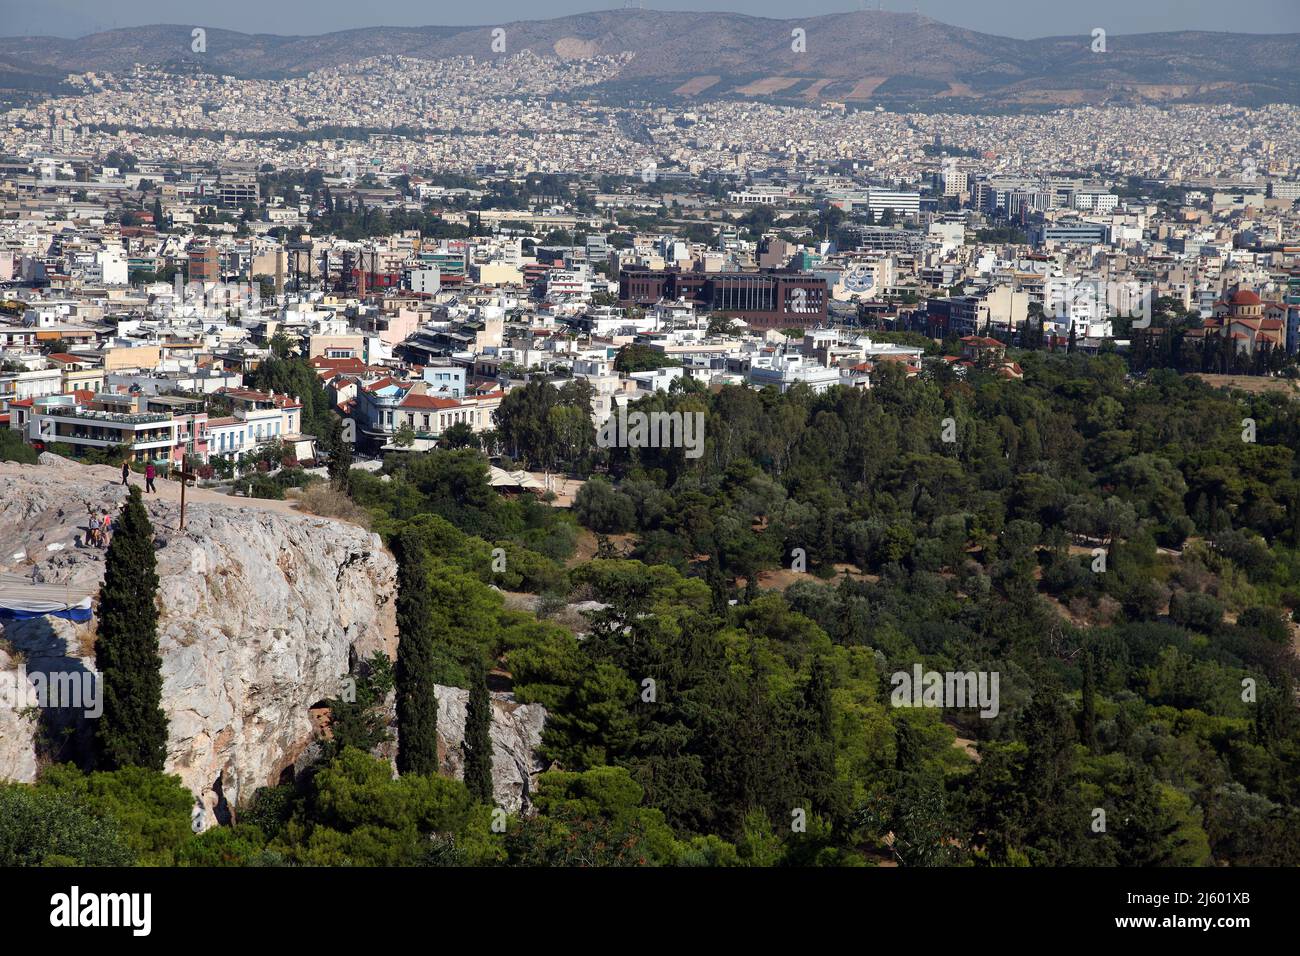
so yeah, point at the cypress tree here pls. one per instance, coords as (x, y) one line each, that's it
(1088, 715)
(478, 735)
(817, 748)
(720, 599)
(417, 705)
(132, 731)
(339, 466)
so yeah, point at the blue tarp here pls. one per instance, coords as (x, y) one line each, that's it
(78, 614)
(22, 599)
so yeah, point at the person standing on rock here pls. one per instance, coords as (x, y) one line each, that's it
(126, 472)
(149, 473)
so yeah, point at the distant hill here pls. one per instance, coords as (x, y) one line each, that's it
(862, 57)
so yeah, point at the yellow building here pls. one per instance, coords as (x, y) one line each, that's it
(130, 357)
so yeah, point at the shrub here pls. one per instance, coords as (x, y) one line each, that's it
(1200, 612)
(322, 498)
(601, 508)
(43, 827)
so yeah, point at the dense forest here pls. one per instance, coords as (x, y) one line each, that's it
(1123, 553)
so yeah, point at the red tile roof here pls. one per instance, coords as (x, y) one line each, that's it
(337, 365)
(281, 401)
(428, 401)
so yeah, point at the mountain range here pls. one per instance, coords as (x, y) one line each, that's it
(864, 57)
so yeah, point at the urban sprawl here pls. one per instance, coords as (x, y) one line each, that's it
(431, 235)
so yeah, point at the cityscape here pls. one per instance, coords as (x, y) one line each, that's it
(551, 455)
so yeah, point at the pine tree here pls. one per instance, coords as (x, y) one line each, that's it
(1145, 832)
(132, 731)
(1274, 716)
(478, 736)
(417, 705)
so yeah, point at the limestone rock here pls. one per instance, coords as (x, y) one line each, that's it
(262, 611)
(17, 729)
(516, 735)
(260, 615)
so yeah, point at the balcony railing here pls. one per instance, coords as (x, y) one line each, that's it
(118, 418)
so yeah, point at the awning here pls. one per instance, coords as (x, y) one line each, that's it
(500, 478)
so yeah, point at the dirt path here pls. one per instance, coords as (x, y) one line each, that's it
(565, 488)
(170, 491)
(967, 746)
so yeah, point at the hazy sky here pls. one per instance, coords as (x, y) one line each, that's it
(1018, 18)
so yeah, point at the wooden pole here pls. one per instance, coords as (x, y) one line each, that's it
(185, 477)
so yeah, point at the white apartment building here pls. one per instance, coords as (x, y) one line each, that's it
(20, 386)
(259, 418)
(145, 436)
(901, 203)
(786, 371)
(1096, 202)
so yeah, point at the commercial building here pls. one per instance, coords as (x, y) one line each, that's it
(104, 422)
(764, 299)
(205, 266)
(959, 315)
(1087, 233)
(236, 192)
(880, 201)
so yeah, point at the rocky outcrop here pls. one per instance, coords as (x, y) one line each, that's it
(17, 725)
(516, 735)
(261, 613)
